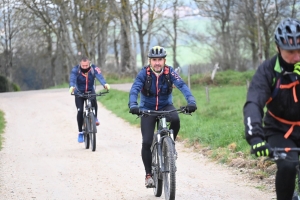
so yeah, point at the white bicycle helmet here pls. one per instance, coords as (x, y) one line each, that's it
(157, 52)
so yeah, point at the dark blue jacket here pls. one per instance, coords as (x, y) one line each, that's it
(85, 82)
(159, 88)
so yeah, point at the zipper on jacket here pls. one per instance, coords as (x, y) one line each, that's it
(157, 91)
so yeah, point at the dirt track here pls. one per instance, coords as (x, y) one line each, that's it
(41, 158)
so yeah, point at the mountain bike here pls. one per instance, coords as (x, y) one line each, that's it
(89, 124)
(280, 153)
(164, 154)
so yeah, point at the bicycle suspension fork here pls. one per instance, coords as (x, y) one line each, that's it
(162, 129)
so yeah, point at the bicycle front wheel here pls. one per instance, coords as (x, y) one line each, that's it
(169, 176)
(157, 190)
(86, 129)
(93, 131)
(295, 196)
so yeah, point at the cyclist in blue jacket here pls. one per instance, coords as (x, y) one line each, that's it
(154, 83)
(82, 79)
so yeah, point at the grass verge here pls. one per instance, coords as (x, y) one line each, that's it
(216, 128)
(217, 123)
(2, 126)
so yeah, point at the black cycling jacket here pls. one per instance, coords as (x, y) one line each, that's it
(282, 114)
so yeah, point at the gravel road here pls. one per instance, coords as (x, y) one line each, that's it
(42, 160)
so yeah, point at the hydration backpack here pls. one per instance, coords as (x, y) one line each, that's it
(146, 89)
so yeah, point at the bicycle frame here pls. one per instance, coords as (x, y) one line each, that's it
(89, 127)
(88, 105)
(161, 134)
(162, 131)
(163, 166)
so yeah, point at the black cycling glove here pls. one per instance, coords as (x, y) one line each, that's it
(261, 149)
(134, 110)
(191, 107)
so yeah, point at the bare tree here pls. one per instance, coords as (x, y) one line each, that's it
(123, 11)
(173, 31)
(220, 11)
(8, 33)
(269, 18)
(145, 13)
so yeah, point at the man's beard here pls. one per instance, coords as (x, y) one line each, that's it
(159, 70)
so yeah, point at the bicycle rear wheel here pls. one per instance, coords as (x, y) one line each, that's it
(86, 130)
(169, 177)
(93, 131)
(155, 173)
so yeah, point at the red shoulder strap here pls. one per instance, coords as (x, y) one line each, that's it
(148, 70)
(166, 70)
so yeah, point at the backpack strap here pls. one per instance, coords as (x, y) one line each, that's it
(147, 85)
(276, 86)
(278, 73)
(167, 78)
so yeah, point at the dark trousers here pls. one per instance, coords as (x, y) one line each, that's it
(79, 102)
(147, 127)
(286, 169)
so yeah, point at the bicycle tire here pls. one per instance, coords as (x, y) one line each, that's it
(295, 196)
(93, 131)
(86, 133)
(169, 178)
(157, 190)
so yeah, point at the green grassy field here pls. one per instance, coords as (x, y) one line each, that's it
(216, 124)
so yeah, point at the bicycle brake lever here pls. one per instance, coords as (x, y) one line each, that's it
(139, 116)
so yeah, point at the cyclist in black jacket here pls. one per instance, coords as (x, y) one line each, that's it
(276, 86)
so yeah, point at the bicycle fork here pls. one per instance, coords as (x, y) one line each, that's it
(159, 151)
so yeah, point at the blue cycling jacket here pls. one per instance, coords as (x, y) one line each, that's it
(159, 88)
(85, 81)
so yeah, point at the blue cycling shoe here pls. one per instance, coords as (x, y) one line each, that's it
(80, 137)
(97, 122)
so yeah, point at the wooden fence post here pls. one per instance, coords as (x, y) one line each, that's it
(207, 93)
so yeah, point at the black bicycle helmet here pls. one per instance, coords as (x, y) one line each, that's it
(157, 52)
(287, 34)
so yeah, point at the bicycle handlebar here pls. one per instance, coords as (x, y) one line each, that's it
(162, 112)
(281, 153)
(89, 95)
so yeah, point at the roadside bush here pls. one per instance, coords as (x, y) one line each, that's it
(6, 86)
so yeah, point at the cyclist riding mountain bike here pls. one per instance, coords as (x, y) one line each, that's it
(154, 83)
(82, 79)
(275, 85)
